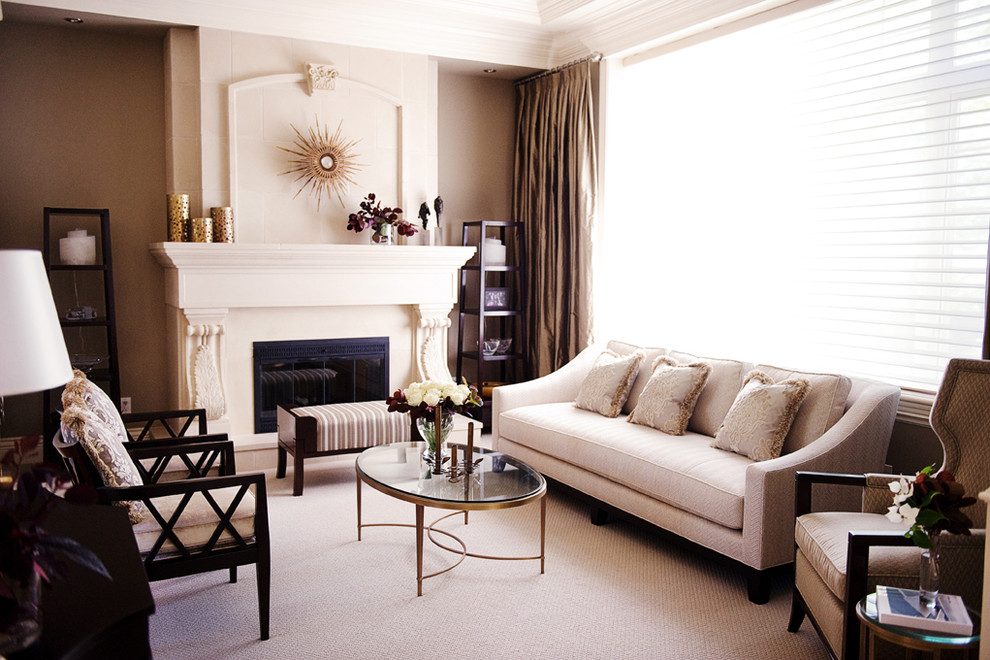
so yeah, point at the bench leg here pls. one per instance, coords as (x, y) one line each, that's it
(297, 473)
(280, 468)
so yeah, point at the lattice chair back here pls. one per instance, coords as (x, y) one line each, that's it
(961, 419)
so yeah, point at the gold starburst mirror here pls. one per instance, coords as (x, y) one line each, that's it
(324, 162)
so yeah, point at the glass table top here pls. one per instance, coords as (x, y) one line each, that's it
(400, 468)
(868, 607)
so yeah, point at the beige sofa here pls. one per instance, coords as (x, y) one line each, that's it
(738, 507)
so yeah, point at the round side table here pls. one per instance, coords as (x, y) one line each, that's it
(910, 639)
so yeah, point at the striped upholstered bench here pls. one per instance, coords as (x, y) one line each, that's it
(335, 428)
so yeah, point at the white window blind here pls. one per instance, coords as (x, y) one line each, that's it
(813, 191)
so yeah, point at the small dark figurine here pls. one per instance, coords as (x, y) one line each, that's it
(424, 215)
(438, 207)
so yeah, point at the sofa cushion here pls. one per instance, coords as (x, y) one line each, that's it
(761, 416)
(649, 355)
(670, 395)
(82, 392)
(683, 471)
(823, 406)
(105, 447)
(724, 383)
(823, 538)
(606, 387)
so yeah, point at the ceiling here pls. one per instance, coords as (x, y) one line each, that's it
(513, 36)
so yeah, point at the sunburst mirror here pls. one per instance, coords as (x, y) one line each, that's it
(324, 163)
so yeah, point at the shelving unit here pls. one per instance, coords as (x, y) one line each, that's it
(492, 303)
(84, 301)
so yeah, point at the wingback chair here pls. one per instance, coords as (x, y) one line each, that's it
(841, 556)
(184, 521)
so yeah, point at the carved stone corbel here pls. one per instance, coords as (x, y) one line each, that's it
(203, 360)
(431, 342)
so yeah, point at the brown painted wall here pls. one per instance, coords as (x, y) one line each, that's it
(82, 124)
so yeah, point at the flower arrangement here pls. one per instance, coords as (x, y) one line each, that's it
(931, 504)
(379, 218)
(26, 550)
(421, 399)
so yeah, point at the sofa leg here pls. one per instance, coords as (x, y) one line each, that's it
(599, 517)
(797, 613)
(280, 466)
(758, 586)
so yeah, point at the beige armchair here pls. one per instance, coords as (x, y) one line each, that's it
(841, 556)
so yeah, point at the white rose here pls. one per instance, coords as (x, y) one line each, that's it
(414, 397)
(449, 389)
(457, 398)
(431, 398)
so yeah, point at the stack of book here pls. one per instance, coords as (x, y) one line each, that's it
(902, 607)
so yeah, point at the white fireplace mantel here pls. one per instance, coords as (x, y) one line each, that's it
(226, 275)
(205, 281)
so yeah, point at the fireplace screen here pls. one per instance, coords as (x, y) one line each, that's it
(315, 372)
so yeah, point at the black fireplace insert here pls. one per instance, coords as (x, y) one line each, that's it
(313, 372)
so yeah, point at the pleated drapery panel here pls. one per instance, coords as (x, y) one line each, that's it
(555, 195)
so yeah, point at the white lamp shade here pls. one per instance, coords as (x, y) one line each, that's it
(33, 357)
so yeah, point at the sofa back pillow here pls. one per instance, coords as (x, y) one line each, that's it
(606, 387)
(639, 384)
(761, 416)
(822, 407)
(724, 382)
(670, 395)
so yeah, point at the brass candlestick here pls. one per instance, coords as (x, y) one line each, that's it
(437, 432)
(469, 458)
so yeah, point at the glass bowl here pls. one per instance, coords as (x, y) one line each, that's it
(491, 346)
(504, 345)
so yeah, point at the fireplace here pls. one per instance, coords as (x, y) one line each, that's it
(222, 298)
(314, 372)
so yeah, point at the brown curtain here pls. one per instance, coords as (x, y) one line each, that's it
(554, 196)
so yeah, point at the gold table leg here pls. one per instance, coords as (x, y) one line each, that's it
(359, 507)
(419, 549)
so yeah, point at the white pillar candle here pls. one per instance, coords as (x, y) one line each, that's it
(77, 249)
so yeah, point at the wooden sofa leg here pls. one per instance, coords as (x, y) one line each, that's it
(297, 473)
(797, 613)
(599, 517)
(233, 574)
(280, 466)
(758, 586)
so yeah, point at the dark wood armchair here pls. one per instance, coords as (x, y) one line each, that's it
(184, 521)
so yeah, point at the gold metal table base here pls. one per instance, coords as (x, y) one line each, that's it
(431, 528)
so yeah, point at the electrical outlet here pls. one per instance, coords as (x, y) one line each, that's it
(125, 405)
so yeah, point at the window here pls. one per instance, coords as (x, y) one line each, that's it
(813, 191)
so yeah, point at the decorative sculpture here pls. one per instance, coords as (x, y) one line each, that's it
(438, 207)
(424, 215)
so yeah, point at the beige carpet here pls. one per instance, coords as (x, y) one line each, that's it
(608, 592)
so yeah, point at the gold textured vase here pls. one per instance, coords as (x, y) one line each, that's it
(223, 224)
(178, 217)
(202, 230)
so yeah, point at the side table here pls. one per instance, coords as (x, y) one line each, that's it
(911, 639)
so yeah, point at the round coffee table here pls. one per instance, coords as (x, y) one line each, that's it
(498, 482)
(910, 638)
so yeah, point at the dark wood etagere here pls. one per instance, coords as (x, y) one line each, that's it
(492, 304)
(84, 300)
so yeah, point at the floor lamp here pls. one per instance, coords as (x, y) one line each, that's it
(33, 357)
